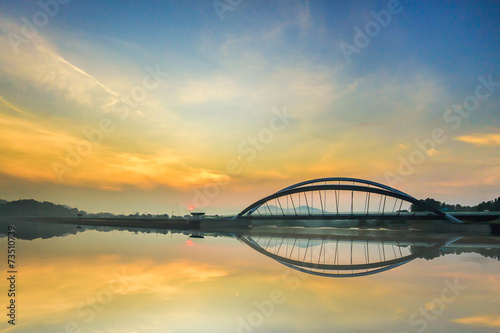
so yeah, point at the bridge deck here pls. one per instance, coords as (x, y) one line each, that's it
(465, 217)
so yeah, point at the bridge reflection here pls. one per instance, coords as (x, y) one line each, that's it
(330, 252)
(341, 255)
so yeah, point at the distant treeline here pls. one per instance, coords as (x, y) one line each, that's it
(32, 208)
(485, 252)
(493, 205)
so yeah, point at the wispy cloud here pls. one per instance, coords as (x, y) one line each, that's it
(209, 90)
(79, 70)
(12, 107)
(480, 321)
(483, 139)
(39, 66)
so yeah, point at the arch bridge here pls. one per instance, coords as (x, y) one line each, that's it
(340, 198)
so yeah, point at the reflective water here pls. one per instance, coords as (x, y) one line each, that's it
(105, 280)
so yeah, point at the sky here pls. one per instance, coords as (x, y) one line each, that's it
(162, 106)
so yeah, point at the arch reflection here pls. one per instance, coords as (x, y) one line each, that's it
(340, 257)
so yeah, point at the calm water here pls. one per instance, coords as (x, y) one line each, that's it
(77, 280)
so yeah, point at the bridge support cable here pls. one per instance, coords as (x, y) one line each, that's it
(383, 250)
(307, 203)
(401, 205)
(336, 202)
(394, 207)
(364, 207)
(268, 208)
(293, 246)
(280, 245)
(279, 202)
(312, 199)
(352, 200)
(351, 252)
(336, 256)
(325, 197)
(307, 248)
(321, 250)
(270, 238)
(367, 254)
(293, 204)
(321, 202)
(299, 204)
(368, 203)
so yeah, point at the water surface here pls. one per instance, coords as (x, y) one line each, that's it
(105, 280)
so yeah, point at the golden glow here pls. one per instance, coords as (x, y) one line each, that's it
(31, 145)
(488, 139)
(492, 320)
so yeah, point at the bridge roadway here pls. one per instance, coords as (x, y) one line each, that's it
(226, 227)
(423, 216)
(183, 223)
(481, 223)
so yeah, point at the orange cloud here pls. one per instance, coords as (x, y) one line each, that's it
(480, 321)
(31, 145)
(489, 139)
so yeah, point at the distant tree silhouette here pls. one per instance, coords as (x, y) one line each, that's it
(493, 205)
(32, 207)
(493, 253)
